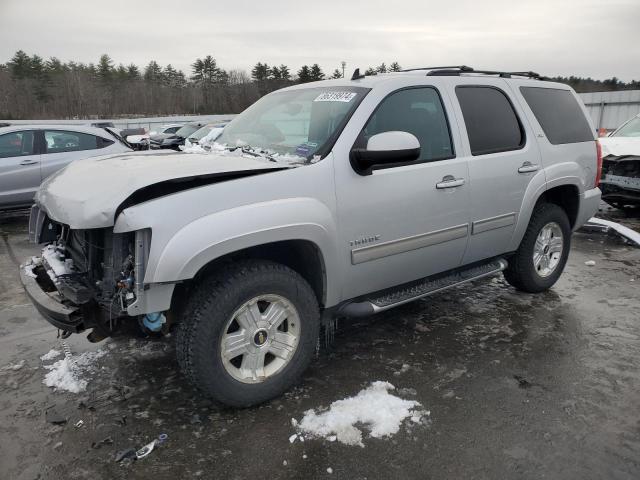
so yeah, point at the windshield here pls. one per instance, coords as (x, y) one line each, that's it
(300, 122)
(187, 130)
(630, 129)
(200, 133)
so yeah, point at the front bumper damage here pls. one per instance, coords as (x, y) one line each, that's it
(90, 278)
(620, 182)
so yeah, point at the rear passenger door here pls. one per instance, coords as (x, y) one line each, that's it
(19, 168)
(503, 159)
(63, 146)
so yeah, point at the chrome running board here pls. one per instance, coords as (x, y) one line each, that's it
(396, 296)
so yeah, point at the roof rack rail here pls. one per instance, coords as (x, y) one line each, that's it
(459, 69)
(462, 68)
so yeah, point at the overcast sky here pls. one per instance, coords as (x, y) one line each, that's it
(561, 37)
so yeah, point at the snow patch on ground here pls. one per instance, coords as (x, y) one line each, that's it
(374, 408)
(66, 374)
(50, 355)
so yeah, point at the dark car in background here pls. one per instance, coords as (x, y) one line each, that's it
(174, 140)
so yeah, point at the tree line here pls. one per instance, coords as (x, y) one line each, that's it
(32, 87)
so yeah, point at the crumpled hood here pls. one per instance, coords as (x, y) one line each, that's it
(88, 192)
(620, 146)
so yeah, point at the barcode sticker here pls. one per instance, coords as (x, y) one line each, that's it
(335, 97)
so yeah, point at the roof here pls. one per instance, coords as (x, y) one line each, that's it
(70, 128)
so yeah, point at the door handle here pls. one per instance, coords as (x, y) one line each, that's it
(28, 162)
(528, 167)
(449, 181)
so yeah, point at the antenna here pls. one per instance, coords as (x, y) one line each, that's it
(357, 75)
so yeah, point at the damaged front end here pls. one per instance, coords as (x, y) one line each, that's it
(87, 278)
(620, 182)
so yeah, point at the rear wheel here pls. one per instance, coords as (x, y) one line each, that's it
(543, 252)
(248, 332)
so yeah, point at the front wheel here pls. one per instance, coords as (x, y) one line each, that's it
(248, 332)
(543, 252)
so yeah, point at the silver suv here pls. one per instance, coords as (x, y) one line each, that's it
(338, 198)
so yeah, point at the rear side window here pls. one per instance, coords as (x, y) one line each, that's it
(16, 144)
(58, 141)
(418, 111)
(559, 114)
(492, 123)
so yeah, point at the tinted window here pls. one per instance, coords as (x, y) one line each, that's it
(559, 114)
(172, 130)
(62, 141)
(16, 144)
(492, 124)
(418, 111)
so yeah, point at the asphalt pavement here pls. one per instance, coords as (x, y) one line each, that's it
(517, 385)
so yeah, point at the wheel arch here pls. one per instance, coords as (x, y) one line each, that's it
(566, 196)
(302, 256)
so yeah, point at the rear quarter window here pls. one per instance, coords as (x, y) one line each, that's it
(559, 115)
(492, 123)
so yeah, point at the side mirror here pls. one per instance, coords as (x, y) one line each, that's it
(385, 148)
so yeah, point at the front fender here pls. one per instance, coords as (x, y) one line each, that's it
(212, 236)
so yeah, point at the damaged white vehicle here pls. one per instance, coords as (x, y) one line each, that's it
(620, 182)
(339, 198)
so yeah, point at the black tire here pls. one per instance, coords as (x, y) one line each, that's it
(521, 272)
(210, 307)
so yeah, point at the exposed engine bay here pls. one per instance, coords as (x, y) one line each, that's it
(94, 271)
(620, 182)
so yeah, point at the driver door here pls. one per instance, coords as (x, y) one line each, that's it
(404, 221)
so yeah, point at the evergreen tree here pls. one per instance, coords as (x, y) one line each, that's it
(153, 72)
(260, 72)
(382, 68)
(316, 73)
(395, 67)
(105, 67)
(304, 74)
(336, 74)
(20, 65)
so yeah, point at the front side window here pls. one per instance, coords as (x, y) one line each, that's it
(492, 123)
(559, 115)
(418, 111)
(301, 122)
(629, 129)
(16, 144)
(58, 141)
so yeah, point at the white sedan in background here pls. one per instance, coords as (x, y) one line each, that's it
(30, 153)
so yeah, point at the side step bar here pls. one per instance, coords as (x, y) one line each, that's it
(408, 292)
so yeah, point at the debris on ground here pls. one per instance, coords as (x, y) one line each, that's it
(590, 263)
(373, 408)
(104, 441)
(54, 417)
(133, 454)
(607, 225)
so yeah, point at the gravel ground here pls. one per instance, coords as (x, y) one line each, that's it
(518, 386)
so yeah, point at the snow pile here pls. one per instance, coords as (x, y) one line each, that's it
(50, 355)
(590, 263)
(374, 408)
(66, 374)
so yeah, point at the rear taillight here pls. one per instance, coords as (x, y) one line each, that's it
(599, 166)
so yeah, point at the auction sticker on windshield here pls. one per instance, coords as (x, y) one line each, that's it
(335, 97)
